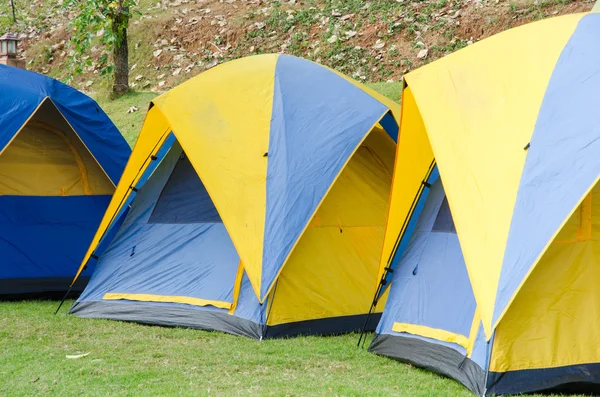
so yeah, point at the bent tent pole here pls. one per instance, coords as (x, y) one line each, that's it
(389, 265)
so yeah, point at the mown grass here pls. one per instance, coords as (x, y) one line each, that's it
(128, 359)
(128, 123)
(131, 359)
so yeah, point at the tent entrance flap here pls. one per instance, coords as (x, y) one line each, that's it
(430, 293)
(173, 246)
(47, 158)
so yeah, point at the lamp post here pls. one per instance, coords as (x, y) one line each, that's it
(9, 51)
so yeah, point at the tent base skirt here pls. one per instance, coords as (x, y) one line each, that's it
(324, 326)
(433, 357)
(40, 288)
(216, 320)
(572, 379)
(171, 316)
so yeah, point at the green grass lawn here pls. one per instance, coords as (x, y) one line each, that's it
(128, 123)
(128, 359)
(132, 359)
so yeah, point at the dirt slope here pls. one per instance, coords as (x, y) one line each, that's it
(375, 40)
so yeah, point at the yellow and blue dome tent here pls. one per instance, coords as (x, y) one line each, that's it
(494, 228)
(257, 194)
(60, 160)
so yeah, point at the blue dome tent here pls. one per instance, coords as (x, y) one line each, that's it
(60, 160)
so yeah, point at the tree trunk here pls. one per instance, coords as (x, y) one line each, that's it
(12, 5)
(121, 53)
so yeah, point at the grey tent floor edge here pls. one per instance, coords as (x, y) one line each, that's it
(209, 320)
(40, 288)
(324, 326)
(435, 358)
(571, 379)
(168, 317)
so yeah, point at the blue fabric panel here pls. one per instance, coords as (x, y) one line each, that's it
(184, 198)
(109, 267)
(190, 260)
(165, 149)
(248, 306)
(430, 285)
(22, 92)
(193, 260)
(480, 349)
(562, 161)
(118, 220)
(109, 235)
(47, 236)
(108, 264)
(117, 270)
(444, 221)
(315, 128)
(410, 228)
(389, 124)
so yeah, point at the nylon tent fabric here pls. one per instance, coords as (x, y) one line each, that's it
(256, 145)
(46, 158)
(474, 96)
(560, 169)
(430, 317)
(329, 124)
(510, 124)
(415, 164)
(24, 91)
(60, 159)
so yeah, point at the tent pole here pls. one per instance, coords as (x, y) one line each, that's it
(388, 269)
(268, 311)
(363, 331)
(488, 359)
(63, 300)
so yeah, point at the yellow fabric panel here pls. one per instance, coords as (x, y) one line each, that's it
(432, 333)
(376, 126)
(239, 277)
(473, 332)
(585, 219)
(39, 163)
(366, 184)
(330, 274)
(154, 132)
(47, 158)
(222, 120)
(186, 300)
(413, 159)
(555, 318)
(333, 268)
(480, 106)
(98, 180)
